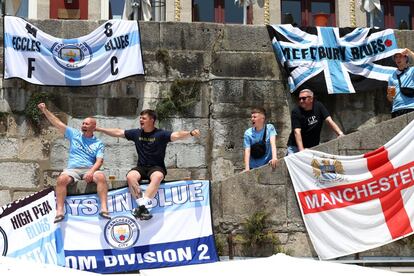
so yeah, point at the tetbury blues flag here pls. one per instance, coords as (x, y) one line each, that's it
(354, 203)
(110, 53)
(334, 60)
(180, 232)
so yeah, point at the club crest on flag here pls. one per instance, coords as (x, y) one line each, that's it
(72, 56)
(3, 242)
(327, 170)
(121, 232)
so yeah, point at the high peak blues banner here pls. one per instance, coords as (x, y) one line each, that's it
(27, 230)
(110, 53)
(180, 232)
(346, 60)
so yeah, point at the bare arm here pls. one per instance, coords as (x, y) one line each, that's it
(247, 159)
(274, 160)
(178, 135)
(298, 138)
(88, 177)
(408, 52)
(52, 118)
(114, 132)
(334, 126)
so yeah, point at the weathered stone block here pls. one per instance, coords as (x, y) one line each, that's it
(5, 197)
(22, 194)
(189, 64)
(119, 156)
(191, 156)
(171, 156)
(8, 148)
(270, 176)
(293, 211)
(178, 174)
(150, 35)
(19, 175)
(59, 154)
(121, 106)
(245, 64)
(228, 91)
(242, 197)
(253, 38)
(50, 177)
(202, 174)
(190, 36)
(299, 245)
(16, 98)
(84, 107)
(222, 169)
(34, 149)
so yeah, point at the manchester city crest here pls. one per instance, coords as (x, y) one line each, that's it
(121, 232)
(327, 170)
(71, 56)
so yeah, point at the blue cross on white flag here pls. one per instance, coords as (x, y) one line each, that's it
(345, 59)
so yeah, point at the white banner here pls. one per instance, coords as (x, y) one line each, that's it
(27, 230)
(110, 53)
(180, 232)
(355, 203)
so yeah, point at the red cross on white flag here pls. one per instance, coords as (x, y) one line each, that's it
(354, 203)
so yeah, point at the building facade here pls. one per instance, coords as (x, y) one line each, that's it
(394, 14)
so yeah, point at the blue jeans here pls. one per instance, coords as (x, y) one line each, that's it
(291, 150)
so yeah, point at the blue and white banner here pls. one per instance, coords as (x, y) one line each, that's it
(110, 53)
(180, 232)
(334, 60)
(27, 230)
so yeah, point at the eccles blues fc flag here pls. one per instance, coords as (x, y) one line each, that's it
(109, 53)
(334, 60)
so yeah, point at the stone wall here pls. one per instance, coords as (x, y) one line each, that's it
(235, 199)
(236, 69)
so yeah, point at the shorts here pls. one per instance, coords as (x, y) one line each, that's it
(146, 171)
(400, 112)
(77, 174)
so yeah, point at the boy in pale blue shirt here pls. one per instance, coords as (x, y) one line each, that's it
(255, 135)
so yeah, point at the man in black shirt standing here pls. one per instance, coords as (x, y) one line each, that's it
(307, 120)
(151, 144)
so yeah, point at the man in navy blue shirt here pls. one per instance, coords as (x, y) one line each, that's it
(150, 143)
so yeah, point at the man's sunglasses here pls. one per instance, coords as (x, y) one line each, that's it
(303, 98)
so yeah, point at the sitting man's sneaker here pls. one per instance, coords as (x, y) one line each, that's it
(141, 213)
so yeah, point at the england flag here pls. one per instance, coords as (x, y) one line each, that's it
(354, 203)
(334, 60)
(110, 53)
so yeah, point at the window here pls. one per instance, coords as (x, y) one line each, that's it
(219, 11)
(23, 10)
(394, 14)
(303, 12)
(68, 9)
(116, 9)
